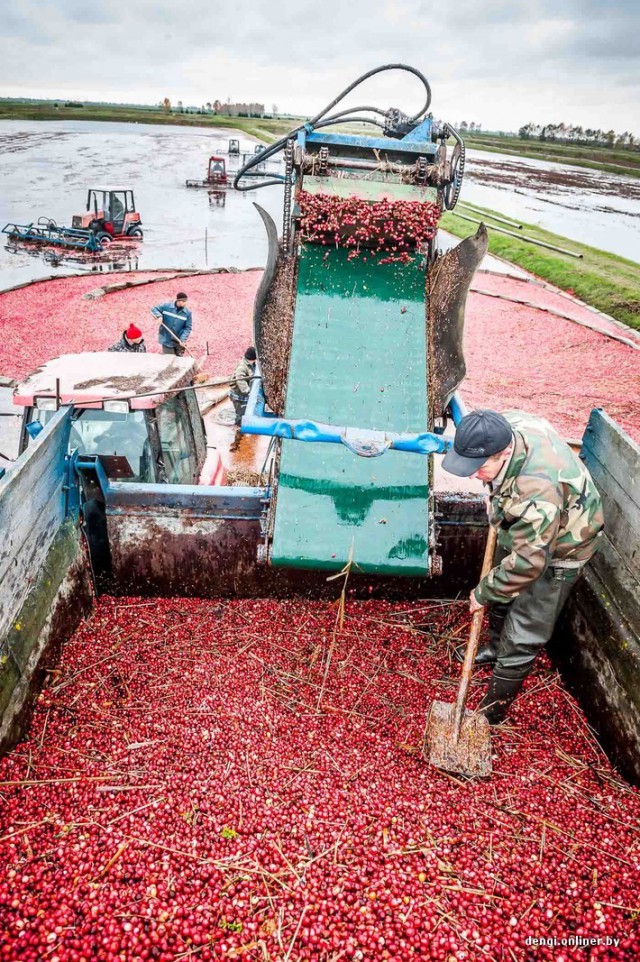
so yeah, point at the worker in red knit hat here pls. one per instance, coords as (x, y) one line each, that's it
(131, 341)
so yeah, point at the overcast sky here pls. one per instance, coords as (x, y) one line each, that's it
(497, 63)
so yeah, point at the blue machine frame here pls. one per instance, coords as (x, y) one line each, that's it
(417, 141)
(257, 420)
(238, 503)
(49, 233)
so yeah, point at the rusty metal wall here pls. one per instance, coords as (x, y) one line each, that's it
(179, 551)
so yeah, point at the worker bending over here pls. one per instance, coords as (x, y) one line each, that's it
(131, 341)
(241, 381)
(548, 513)
(176, 323)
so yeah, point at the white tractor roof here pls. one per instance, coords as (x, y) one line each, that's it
(87, 379)
(117, 190)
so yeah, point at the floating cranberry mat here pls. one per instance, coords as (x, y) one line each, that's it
(241, 780)
(517, 356)
(53, 317)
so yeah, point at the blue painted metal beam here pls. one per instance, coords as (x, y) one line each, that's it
(422, 133)
(458, 408)
(364, 442)
(199, 501)
(412, 148)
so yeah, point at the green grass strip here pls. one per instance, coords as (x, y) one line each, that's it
(605, 281)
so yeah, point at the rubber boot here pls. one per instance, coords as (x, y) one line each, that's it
(487, 655)
(499, 696)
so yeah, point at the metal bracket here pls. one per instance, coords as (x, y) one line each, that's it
(366, 444)
(421, 171)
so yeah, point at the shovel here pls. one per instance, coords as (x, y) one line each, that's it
(459, 740)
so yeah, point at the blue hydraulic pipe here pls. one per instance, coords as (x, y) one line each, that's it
(365, 443)
(458, 408)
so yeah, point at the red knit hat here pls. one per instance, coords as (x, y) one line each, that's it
(133, 332)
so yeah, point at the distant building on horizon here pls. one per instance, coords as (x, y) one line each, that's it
(239, 110)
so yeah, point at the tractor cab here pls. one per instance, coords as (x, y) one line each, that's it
(130, 413)
(135, 425)
(110, 213)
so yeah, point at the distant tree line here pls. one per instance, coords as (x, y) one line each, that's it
(465, 127)
(217, 107)
(568, 133)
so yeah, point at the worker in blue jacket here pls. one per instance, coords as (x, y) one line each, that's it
(175, 324)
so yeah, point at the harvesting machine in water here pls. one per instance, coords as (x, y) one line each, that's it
(216, 175)
(110, 214)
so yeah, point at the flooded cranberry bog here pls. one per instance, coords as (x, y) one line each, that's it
(222, 759)
(576, 347)
(47, 168)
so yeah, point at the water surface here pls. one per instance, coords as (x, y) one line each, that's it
(47, 167)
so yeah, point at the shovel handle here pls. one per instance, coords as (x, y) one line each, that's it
(474, 635)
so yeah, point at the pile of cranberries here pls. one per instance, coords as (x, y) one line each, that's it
(393, 227)
(244, 780)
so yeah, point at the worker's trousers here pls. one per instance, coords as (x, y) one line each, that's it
(239, 402)
(522, 628)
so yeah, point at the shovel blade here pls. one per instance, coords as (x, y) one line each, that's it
(470, 754)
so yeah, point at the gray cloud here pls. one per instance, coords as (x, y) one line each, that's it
(500, 63)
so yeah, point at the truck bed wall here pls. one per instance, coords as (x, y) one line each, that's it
(44, 581)
(597, 644)
(195, 541)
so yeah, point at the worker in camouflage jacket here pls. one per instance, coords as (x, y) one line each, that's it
(548, 513)
(130, 341)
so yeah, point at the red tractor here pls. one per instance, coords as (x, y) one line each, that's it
(110, 213)
(216, 175)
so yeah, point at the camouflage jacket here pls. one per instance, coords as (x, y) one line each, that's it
(546, 507)
(126, 347)
(240, 383)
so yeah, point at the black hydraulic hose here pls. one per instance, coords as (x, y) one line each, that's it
(372, 73)
(352, 110)
(448, 129)
(317, 120)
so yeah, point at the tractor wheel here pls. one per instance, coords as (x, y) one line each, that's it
(135, 232)
(104, 237)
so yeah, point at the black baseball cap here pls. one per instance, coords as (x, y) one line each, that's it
(181, 296)
(478, 436)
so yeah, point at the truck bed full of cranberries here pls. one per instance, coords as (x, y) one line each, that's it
(245, 780)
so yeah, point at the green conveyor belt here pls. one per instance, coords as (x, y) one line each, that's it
(358, 358)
